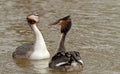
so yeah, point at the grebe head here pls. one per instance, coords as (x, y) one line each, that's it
(65, 23)
(33, 18)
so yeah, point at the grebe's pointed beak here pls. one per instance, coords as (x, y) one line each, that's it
(56, 22)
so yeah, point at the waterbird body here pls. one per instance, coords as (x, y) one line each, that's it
(36, 50)
(65, 60)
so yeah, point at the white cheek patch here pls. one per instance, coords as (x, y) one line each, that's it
(81, 61)
(61, 63)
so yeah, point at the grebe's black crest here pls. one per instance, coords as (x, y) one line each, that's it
(65, 18)
(65, 23)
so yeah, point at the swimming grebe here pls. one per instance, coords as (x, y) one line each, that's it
(63, 60)
(35, 51)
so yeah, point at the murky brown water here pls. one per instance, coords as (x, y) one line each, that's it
(95, 34)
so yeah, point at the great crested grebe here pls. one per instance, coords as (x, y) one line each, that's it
(35, 51)
(63, 60)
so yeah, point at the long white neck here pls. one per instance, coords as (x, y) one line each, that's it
(39, 40)
(40, 49)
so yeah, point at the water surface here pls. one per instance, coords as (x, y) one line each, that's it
(95, 34)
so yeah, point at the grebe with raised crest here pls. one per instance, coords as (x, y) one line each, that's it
(65, 60)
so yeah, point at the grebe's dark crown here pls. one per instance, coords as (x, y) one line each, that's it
(65, 23)
(65, 18)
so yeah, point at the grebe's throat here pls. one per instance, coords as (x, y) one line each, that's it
(39, 40)
(62, 41)
(40, 49)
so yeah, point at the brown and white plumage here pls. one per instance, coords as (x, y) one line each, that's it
(36, 50)
(65, 60)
